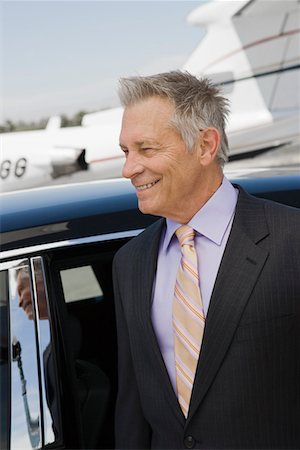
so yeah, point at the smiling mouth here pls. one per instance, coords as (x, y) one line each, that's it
(143, 187)
(27, 307)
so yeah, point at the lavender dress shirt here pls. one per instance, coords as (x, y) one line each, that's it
(212, 224)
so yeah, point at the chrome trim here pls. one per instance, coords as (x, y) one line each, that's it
(38, 347)
(53, 245)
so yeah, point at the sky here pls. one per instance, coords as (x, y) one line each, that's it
(59, 57)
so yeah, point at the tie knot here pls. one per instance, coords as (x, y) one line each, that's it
(185, 235)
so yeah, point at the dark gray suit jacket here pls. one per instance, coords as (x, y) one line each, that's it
(246, 392)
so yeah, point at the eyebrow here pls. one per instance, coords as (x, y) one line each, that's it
(141, 143)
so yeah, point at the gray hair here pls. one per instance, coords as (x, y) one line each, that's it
(198, 104)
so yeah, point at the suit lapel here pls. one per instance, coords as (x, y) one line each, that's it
(146, 268)
(241, 265)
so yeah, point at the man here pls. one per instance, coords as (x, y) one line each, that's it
(207, 314)
(25, 296)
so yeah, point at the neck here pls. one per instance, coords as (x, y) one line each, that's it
(209, 185)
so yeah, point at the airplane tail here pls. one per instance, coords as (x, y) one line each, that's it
(54, 123)
(251, 49)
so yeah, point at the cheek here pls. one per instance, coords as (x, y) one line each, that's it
(180, 177)
(24, 295)
(27, 296)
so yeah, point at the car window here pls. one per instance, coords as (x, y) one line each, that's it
(25, 395)
(29, 406)
(80, 283)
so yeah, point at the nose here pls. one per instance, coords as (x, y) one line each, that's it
(24, 297)
(132, 166)
(21, 300)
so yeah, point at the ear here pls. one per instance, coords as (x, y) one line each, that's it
(209, 141)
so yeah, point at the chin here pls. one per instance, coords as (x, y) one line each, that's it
(147, 210)
(143, 207)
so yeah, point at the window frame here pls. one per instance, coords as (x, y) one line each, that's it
(76, 257)
(49, 254)
(6, 266)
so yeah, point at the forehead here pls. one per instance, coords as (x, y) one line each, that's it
(146, 116)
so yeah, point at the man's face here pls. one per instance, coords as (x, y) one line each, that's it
(166, 176)
(25, 298)
(24, 293)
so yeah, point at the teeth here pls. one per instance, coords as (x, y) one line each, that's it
(146, 186)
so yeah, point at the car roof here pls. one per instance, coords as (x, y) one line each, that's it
(55, 213)
(38, 206)
(40, 215)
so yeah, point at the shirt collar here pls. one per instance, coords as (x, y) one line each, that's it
(213, 218)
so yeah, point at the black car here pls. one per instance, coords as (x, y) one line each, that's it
(57, 326)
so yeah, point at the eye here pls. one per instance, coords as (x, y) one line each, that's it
(125, 151)
(147, 150)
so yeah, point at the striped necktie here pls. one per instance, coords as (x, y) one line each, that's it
(188, 317)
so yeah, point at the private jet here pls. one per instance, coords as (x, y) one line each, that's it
(251, 49)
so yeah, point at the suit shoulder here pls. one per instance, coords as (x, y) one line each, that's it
(284, 219)
(253, 213)
(279, 210)
(271, 207)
